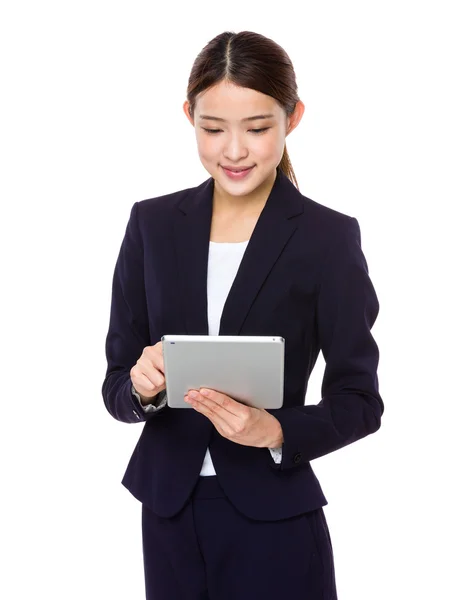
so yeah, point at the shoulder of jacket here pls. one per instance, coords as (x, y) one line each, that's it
(325, 213)
(166, 200)
(327, 224)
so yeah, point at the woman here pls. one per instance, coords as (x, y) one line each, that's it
(231, 507)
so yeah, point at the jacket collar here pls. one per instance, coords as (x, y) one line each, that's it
(192, 226)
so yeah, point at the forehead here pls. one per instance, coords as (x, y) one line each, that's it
(234, 103)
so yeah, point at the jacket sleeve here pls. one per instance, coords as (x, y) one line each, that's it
(351, 406)
(128, 330)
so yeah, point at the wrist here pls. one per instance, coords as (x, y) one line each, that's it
(144, 400)
(277, 437)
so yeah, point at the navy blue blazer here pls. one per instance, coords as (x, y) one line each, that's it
(304, 277)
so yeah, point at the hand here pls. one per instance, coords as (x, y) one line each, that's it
(147, 374)
(237, 422)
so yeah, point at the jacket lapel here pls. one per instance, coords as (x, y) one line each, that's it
(192, 227)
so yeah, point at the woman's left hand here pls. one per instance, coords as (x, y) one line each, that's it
(237, 422)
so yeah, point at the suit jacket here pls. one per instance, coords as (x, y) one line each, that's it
(304, 277)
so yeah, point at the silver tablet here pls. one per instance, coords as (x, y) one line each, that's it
(250, 369)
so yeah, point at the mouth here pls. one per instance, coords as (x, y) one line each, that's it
(237, 173)
(236, 169)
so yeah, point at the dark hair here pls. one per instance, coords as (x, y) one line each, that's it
(250, 60)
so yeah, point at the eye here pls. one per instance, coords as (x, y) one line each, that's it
(256, 131)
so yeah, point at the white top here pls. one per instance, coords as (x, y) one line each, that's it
(224, 259)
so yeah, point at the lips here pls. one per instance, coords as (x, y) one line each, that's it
(237, 169)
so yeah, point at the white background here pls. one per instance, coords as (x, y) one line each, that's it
(91, 121)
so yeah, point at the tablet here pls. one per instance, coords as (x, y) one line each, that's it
(250, 369)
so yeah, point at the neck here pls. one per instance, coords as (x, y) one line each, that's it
(225, 203)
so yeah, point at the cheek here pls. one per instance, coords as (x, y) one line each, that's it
(207, 147)
(270, 148)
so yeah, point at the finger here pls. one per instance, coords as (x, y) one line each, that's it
(144, 386)
(220, 424)
(226, 402)
(215, 412)
(148, 378)
(147, 367)
(159, 349)
(155, 355)
(220, 428)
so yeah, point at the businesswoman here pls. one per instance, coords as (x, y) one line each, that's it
(231, 507)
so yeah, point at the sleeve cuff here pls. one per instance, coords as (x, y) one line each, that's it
(160, 401)
(276, 454)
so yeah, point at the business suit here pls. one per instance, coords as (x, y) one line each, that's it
(303, 277)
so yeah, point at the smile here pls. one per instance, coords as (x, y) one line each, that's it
(237, 174)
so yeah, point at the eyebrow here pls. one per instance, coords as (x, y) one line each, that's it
(254, 118)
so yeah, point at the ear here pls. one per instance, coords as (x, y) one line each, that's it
(185, 107)
(295, 117)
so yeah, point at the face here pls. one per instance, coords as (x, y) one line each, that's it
(227, 137)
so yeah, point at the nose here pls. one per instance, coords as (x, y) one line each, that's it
(235, 148)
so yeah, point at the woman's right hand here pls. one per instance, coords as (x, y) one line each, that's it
(147, 374)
